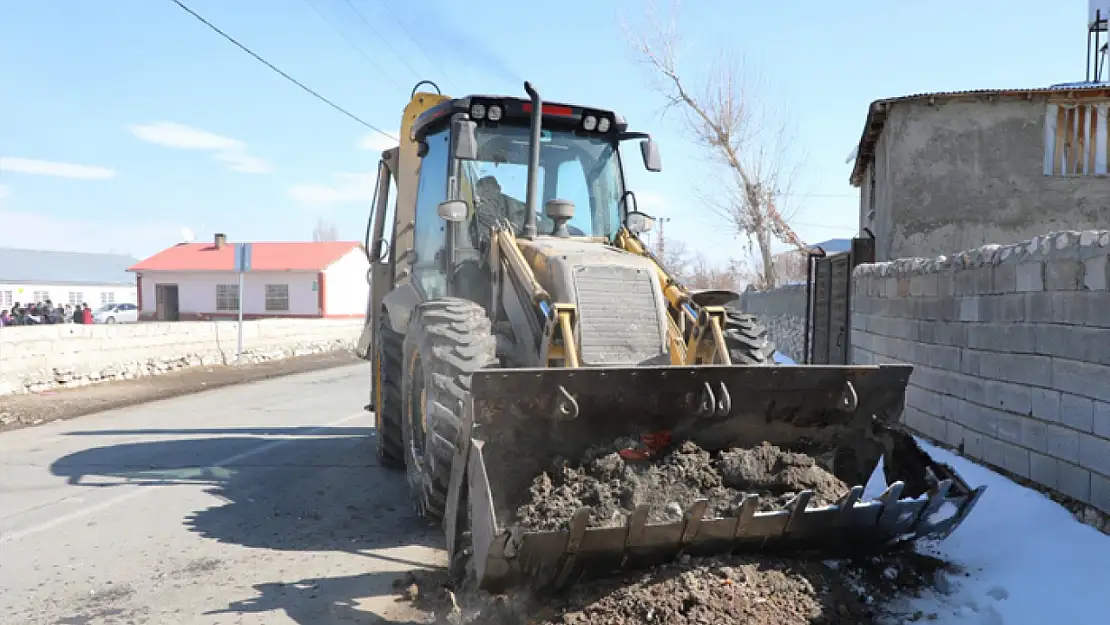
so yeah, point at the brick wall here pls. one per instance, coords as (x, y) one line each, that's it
(782, 310)
(1011, 349)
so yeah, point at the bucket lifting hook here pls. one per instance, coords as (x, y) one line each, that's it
(712, 404)
(849, 400)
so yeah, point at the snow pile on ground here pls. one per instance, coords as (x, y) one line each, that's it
(1028, 560)
(783, 359)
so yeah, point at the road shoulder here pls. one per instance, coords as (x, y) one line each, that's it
(20, 411)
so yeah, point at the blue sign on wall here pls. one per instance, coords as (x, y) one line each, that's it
(242, 257)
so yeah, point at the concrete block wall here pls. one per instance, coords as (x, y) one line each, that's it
(1011, 349)
(782, 310)
(39, 358)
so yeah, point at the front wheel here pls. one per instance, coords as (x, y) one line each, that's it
(447, 341)
(747, 339)
(110, 320)
(386, 384)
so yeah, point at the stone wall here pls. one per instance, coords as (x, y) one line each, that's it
(1011, 349)
(39, 358)
(782, 310)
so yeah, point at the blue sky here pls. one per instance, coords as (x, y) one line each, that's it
(122, 122)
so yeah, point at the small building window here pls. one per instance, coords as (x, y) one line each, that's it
(277, 297)
(107, 297)
(75, 297)
(1076, 139)
(227, 297)
(6, 299)
(41, 296)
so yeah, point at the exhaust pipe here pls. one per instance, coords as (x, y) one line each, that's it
(533, 162)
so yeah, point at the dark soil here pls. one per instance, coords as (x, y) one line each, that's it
(740, 589)
(613, 487)
(18, 411)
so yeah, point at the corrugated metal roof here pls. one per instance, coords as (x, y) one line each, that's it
(876, 114)
(49, 267)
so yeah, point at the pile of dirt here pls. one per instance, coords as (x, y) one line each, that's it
(738, 589)
(670, 482)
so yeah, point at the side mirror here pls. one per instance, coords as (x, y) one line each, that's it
(466, 141)
(639, 223)
(453, 210)
(650, 151)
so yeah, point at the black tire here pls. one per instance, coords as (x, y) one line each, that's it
(447, 341)
(388, 361)
(747, 339)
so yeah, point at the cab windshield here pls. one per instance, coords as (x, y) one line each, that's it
(582, 169)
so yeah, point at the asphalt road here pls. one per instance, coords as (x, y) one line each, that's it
(259, 503)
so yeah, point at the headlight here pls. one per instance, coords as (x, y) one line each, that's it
(477, 111)
(639, 223)
(603, 124)
(589, 123)
(494, 113)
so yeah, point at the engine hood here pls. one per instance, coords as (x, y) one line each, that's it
(621, 310)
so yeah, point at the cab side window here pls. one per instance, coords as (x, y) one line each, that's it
(430, 235)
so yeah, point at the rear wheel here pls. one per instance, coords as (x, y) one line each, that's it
(447, 341)
(747, 340)
(388, 358)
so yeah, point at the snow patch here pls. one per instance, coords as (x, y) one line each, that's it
(1027, 560)
(783, 359)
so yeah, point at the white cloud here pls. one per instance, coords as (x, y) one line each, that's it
(232, 152)
(5, 191)
(376, 142)
(244, 163)
(55, 168)
(348, 188)
(34, 230)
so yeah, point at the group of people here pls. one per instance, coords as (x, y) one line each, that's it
(46, 313)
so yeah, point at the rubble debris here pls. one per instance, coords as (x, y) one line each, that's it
(613, 486)
(759, 590)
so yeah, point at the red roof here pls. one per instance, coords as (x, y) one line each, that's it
(305, 256)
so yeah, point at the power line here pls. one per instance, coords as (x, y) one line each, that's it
(352, 44)
(375, 31)
(416, 41)
(281, 73)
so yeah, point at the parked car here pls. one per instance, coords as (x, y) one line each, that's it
(116, 313)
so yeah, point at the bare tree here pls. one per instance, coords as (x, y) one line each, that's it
(694, 270)
(325, 231)
(738, 132)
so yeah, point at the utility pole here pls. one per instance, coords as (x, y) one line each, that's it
(662, 240)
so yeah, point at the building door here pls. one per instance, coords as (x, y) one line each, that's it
(830, 288)
(165, 298)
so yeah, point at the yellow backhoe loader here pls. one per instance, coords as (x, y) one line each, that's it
(503, 337)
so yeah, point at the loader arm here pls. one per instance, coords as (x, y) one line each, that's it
(695, 332)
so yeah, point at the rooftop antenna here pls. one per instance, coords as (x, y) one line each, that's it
(1098, 22)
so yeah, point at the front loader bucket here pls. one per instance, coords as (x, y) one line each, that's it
(522, 420)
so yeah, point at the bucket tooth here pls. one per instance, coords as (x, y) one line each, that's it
(797, 507)
(847, 505)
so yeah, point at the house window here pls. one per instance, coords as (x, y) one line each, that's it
(41, 296)
(227, 297)
(76, 297)
(1076, 139)
(277, 297)
(107, 297)
(5, 299)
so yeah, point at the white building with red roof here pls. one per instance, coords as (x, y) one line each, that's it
(192, 281)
